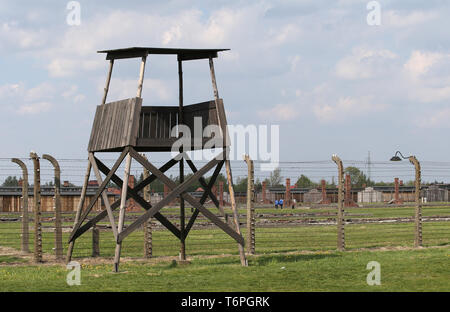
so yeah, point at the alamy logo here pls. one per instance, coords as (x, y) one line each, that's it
(374, 276)
(261, 143)
(374, 16)
(74, 16)
(74, 276)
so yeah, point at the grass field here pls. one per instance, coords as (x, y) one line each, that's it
(299, 257)
(401, 270)
(281, 238)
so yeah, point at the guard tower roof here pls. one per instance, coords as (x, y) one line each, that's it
(183, 54)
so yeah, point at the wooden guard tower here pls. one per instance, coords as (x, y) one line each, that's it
(128, 127)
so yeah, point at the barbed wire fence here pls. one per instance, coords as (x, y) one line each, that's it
(307, 226)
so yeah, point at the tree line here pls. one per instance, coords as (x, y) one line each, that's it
(275, 179)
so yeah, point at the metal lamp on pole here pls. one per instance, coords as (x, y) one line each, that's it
(418, 210)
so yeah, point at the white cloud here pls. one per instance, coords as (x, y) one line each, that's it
(281, 112)
(420, 62)
(283, 34)
(393, 18)
(364, 63)
(75, 51)
(437, 119)
(294, 62)
(10, 90)
(155, 90)
(346, 107)
(13, 36)
(426, 76)
(42, 91)
(429, 94)
(34, 108)
(72, 93)
(24, 100)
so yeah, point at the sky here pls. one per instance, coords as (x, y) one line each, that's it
(333, 83)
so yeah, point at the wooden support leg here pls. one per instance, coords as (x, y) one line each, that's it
(103, 193)
(234, 210)
(123, 203)
(182, 216)
(223, 125)
(80, 208)
(148, 248)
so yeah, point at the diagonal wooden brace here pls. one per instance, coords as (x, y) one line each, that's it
(165, 201)
(140, 201)
(85, 227)
(204, 183)
(100, 191)
(177, 190)
(204, 197)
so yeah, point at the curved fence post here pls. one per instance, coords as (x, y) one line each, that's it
(25, 218)
(418, 210)
(37, 208)
(148, 244)
(57, 199)
(340, 214)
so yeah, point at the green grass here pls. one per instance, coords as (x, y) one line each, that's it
(403, 270)
(268, 240)
(11, 259)
(322, 269)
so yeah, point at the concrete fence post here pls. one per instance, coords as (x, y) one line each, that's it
(57, 201)
(37, 209)
(95, 242)
(418, 209)
(148, 244)
(250, 205)
(25, 218)
(340, 213)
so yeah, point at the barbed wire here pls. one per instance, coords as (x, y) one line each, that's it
(73, 169)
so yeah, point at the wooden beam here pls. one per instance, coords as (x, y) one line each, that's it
(204, 183)
(123, 203)
(222, 125)
(152, 177)
(176, 191)
(181, 163)
(101, 187)
(76, 233)
(108, 80)
(104, 195)
(80, 208)
(205, 196)
(140, 201)
(141, 76)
